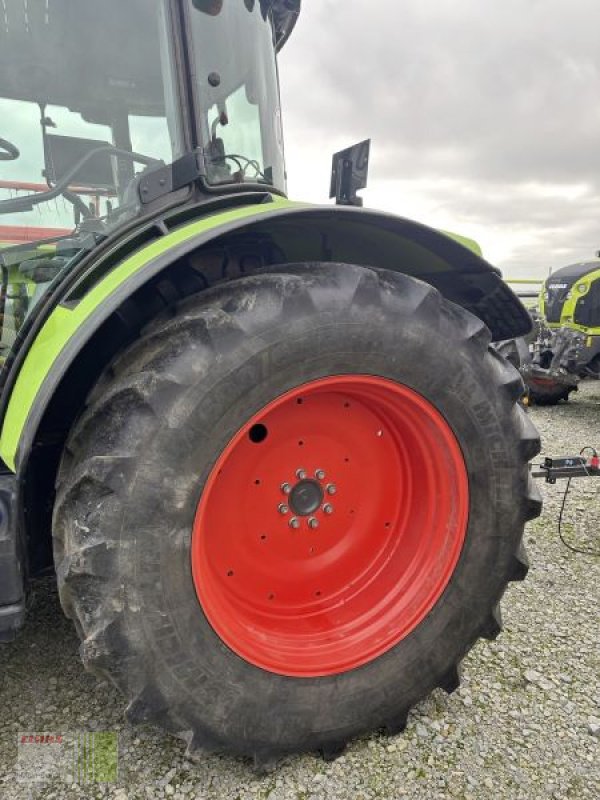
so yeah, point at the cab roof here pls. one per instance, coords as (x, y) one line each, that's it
(35, 47)
(573, 272)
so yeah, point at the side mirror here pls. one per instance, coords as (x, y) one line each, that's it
(349, 173)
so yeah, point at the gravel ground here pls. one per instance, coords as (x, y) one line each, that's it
(525, 724)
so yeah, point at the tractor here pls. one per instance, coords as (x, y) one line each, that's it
(266, 447)
(566, 348)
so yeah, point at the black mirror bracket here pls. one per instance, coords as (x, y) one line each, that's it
(349, 174)
(170, 177)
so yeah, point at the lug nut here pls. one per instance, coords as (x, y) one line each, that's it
(283, 509)
(328, 508)
(313, 523)
(331, 489)
(294, 522)
(319, 474)
(301, 473)
(286, 488)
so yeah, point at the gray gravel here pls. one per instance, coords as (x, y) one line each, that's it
(525, 724)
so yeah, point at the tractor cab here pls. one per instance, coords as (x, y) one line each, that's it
(110, 110)
(571, 297)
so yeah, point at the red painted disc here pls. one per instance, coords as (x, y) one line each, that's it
(330, 525)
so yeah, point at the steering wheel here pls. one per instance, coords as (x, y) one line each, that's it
(11, 153)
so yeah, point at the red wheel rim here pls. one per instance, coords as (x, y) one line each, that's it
(307, 591)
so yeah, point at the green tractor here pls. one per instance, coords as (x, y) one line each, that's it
(566, 348)
(280, 475)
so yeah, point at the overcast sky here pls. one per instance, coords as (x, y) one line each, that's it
(484, 116)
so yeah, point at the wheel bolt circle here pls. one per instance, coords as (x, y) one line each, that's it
(313, 523)
(331, 488)
(294, 522)
(283, 509)
(320, 474)
(301, 474)
(328, 508)
(286, 488)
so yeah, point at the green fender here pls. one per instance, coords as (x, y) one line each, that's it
(304, 233)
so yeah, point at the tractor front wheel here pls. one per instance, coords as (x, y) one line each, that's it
(292, 507)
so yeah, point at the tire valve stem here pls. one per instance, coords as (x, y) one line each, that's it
(294, 523)
(313, 523)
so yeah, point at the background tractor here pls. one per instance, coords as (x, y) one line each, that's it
(280, 474)
(567, 345)
(564, 345)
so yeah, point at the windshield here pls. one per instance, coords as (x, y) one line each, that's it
(87, 104)
(237, 90)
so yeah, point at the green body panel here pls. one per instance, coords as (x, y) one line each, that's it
(567, 315)
(64, 322)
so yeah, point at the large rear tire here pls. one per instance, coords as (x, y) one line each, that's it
(191, 587)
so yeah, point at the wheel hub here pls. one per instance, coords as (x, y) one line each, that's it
(306, 497)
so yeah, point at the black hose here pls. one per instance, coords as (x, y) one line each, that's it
(29, 201)
(573, 548)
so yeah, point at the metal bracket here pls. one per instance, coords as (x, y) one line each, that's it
(349, 174)
(570, 467)
(161, 181)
